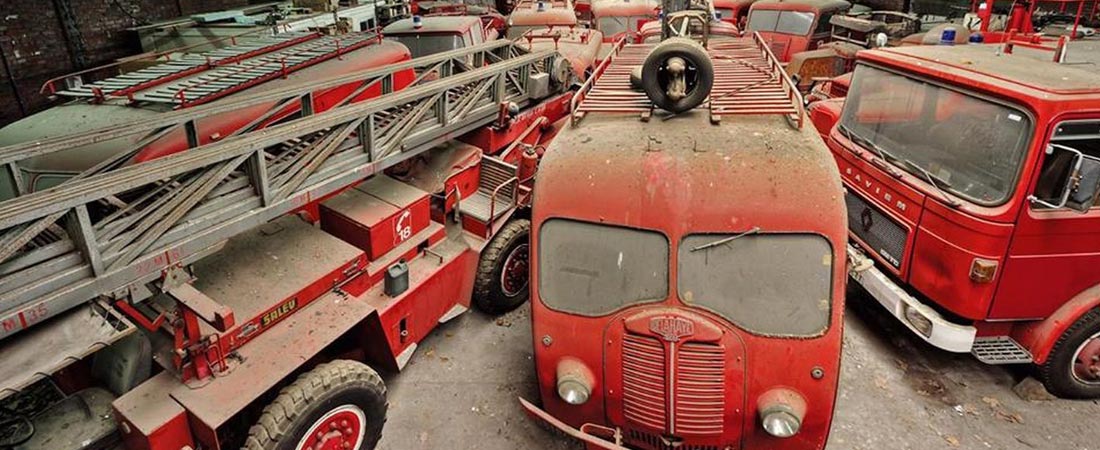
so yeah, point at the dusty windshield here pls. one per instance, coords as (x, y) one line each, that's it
(772, 284)
(969, 146)
(611, 26)
(591, 269)
(787, 22)
(428, 44)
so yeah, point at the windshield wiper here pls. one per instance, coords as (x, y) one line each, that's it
(884, 155)
(933, 181)
(726, 240)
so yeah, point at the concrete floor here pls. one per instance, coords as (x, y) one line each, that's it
(897, 393)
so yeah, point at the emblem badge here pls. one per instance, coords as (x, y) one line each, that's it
(672, 329)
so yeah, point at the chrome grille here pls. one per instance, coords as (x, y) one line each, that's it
(885, 236)
(700, 391)
(644, 385)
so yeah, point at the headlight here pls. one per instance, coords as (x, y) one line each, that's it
(574, 381)
(781, 423)
(781, 412)
(573, 392)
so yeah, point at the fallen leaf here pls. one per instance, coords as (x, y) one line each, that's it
(952, 440)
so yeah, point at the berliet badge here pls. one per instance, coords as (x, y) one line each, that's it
(672, 329)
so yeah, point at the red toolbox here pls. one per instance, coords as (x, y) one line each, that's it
(377, 215)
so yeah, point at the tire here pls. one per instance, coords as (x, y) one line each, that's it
(700, 76)
(1057, 374)
(338, 394)
(491, 295)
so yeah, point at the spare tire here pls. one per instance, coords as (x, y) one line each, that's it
(698, 74)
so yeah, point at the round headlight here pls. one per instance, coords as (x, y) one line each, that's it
(781, 423)
(574, 392)
(781, 412)
(574, 381)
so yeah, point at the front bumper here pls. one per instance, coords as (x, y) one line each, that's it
(938, 331)
(587, 433)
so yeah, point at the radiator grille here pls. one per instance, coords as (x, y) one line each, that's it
(881, 233)
(700, 391)
(699, 386)
(778, 49)
(644, 381)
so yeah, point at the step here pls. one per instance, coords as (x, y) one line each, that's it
(1000, 350)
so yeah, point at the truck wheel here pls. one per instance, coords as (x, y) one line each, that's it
(1073, 368)
(337, 405)
(677, 59)
(502, 273)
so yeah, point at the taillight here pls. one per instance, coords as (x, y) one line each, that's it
(781, 412)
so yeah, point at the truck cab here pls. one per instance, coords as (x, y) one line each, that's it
(428, 35)
(793, 26)
(617, 19)
(732, 11)
(536, 14)
(971, 174)
(663, 315)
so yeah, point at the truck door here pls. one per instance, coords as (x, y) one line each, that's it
(1055, 251)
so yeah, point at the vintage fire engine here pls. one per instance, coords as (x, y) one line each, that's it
(261, 281)
(972, 176)
(253, 64)
(793, 26)
(694, 298)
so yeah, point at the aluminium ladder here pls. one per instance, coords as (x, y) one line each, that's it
(109, 231)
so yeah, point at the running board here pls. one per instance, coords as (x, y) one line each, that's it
(1000, 350)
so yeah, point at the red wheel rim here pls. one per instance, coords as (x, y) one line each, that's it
(1086, 361)
(514, 276)
(340, 429)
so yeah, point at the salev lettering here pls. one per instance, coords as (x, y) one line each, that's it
(281, 311)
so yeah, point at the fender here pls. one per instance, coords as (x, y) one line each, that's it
(1039, 337)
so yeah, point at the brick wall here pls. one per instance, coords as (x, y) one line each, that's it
(36, 46)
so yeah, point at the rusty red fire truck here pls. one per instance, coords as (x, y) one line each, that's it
(664, 314)
(972, 176)
(248, 291)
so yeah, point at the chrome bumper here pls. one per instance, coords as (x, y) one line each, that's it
(582, 434)
(906, 308)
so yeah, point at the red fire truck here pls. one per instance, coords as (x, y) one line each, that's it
(793, 26)
(247, 292)
(694, 299)
(972, 181)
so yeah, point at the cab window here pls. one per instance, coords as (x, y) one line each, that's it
(786, 22)
(769, 284)
(1081, 136)
(593, 269)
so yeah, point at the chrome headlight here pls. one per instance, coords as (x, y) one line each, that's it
(781, 412)
(574, 381)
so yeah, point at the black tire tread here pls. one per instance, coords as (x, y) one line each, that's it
(1053, 372)
(294, 400)
(491, 256)
(686, 47)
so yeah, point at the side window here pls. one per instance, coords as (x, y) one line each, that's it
(823, 25)
(478, 33)
(1061, 160)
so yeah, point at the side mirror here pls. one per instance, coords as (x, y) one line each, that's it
(1080, 180)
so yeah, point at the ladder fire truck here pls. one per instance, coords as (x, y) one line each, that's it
(695, 299)
(260, 281)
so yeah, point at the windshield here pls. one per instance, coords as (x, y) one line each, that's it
(725, 13)
(786, 22)
(774, 284)
(960, 143)
(516, 31)
(428, 44)
(592, 270)
(611, 26)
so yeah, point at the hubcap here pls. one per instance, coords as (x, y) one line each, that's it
(340, 429)
(1086, 361)
(513, 278)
